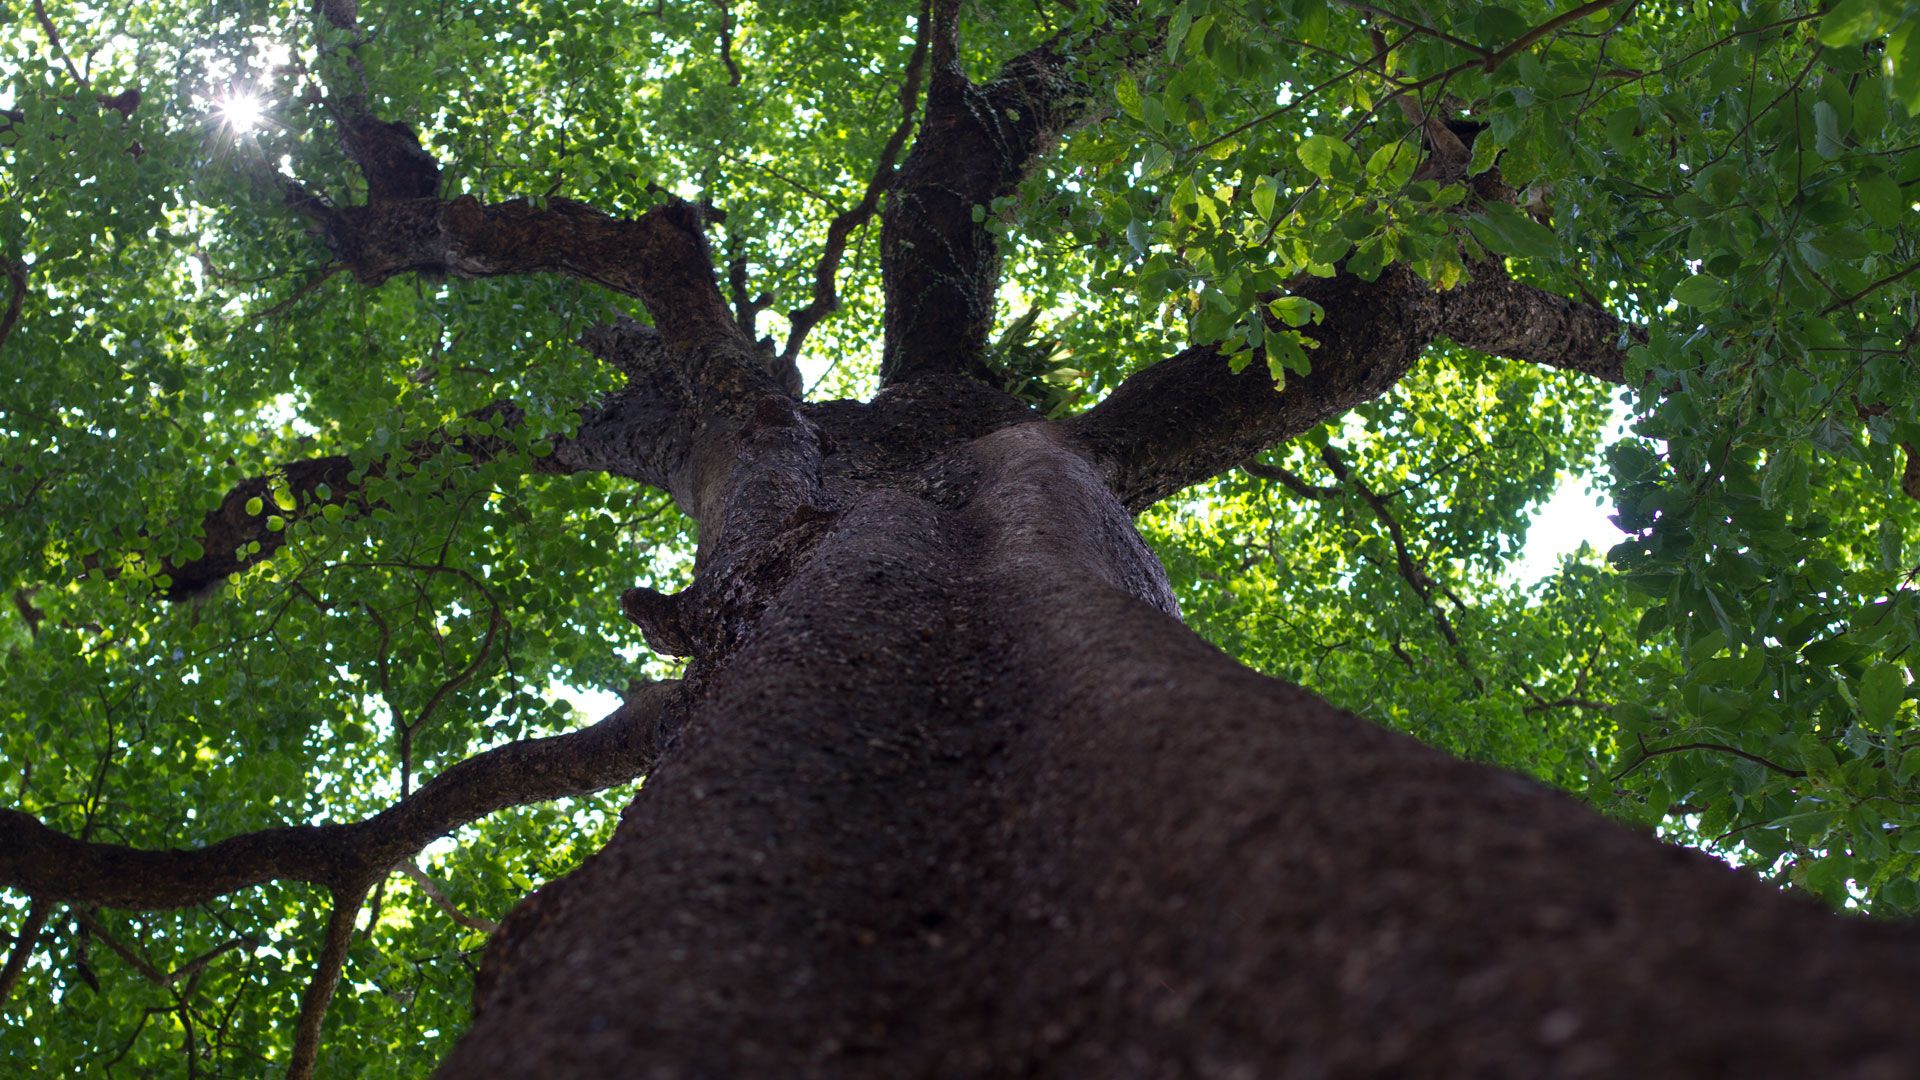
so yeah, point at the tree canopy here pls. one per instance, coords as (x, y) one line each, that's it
(289, 534)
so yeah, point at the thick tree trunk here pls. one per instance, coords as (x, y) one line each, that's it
(964, 798)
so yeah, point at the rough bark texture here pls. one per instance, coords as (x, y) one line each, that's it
(964, 798)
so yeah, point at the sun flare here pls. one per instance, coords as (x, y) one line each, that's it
(241, 112)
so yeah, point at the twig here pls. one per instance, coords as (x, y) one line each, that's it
(305, 290)
(471, 922)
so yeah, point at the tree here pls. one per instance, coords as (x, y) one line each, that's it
(355, 361)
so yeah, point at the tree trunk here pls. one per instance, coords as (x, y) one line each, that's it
(964, 798)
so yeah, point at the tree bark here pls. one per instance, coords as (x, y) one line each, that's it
(963, 797)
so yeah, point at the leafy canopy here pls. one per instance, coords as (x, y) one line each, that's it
(1738, 179)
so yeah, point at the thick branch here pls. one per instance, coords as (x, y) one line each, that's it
(49, 865)
(660, 257)
(1495, 314)
(1189, 418)
(976, 144)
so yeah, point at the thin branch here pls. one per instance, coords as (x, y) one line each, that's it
(726, 42)
(426, 884)
(1648, 755)
(306, 289)
(1409, 568)
(1526, 40)
(1414, 25)
(825, 299)
(16, 272)
(59, 50)
(144, 967)
(1845, 301)
(134, 960)
(50, 865)
(326, 978)
(1289, 479)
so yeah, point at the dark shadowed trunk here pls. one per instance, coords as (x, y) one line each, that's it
(959, 795)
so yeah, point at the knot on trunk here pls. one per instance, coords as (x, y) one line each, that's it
(630, 345)
(662, 619)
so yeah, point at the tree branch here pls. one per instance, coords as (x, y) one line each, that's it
(1722, 748)
(16, 272)
(661, 257)
(229, 532)
(427, 886)
(59, 49)
(940, 265)
(326, 978)
(23, 945)
(1410, 569)
(1190, 418)
(49, 865)
(825, 299)
(1495, 314)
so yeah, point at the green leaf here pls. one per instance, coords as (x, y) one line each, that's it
(1881, 690)
(1621, 125)
(1903, 66)
(1507, 231)
(1881, 198)
(1869, 108)
(1127, 93)
(1701, 291)
(1324, 156)
(1265, 190)
(1392, 165)
(254, 506)
(1851, 22)
(1296, 311)
(1827, 140)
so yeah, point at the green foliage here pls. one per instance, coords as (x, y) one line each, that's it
(1740, 178)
